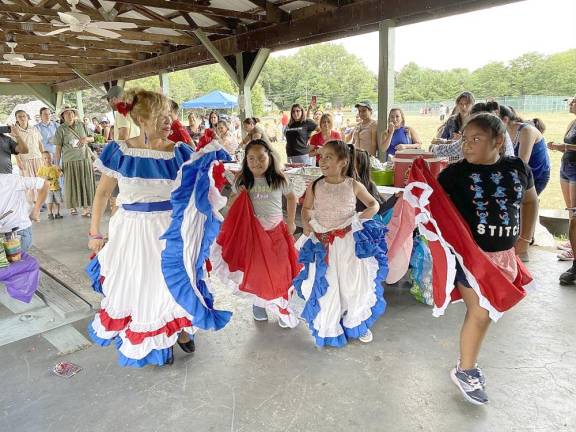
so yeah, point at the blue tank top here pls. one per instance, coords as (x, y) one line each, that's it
(400, 136)
(539, 159)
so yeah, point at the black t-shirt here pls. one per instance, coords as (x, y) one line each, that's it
(7, 149)
(297, 136)
(570, 138)
(489, 198)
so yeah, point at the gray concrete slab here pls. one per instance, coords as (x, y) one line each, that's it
(258, 377)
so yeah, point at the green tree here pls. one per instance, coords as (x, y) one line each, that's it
(325, 70)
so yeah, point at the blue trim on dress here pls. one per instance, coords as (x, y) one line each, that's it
(93, 272)
(156, 357)
(369, 242)
(114, 159)
(195, 182)
(148, 206)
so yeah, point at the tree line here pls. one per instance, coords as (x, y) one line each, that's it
(339, 78)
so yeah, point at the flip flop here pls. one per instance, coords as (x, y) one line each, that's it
(74, 212)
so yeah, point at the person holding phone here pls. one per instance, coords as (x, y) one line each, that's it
(9, 147)
(298, 132)
(71, 139)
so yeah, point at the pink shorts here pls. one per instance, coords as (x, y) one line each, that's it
(504, 260)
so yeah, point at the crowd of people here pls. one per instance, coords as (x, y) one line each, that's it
(167, 231)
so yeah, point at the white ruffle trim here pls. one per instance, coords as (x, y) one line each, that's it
(115, 174)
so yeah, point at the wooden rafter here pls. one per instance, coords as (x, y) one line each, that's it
(94, 53)
(16, 35)
(191, 7)
(47, 12)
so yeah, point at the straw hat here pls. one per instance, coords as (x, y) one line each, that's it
(67, 108)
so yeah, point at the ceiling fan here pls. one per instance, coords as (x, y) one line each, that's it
(78, 22)
(19, 60)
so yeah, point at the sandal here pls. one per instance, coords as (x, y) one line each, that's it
(87, 215)
(74, 212)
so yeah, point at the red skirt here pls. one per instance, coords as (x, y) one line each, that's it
(267, 260)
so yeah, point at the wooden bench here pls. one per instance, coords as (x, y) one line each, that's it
(63, 297)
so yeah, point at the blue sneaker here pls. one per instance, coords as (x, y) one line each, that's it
(470, 383)
(259, 313)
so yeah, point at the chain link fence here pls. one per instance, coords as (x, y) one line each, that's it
(528, 103)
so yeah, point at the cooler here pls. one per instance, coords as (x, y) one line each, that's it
(403, 160)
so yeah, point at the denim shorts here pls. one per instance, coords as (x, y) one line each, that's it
(25, 238)
(568, 171)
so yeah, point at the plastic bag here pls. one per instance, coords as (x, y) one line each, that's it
(421, 271)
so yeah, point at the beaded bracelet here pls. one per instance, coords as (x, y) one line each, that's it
(95, 236)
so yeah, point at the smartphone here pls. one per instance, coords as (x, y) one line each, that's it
(314, 100)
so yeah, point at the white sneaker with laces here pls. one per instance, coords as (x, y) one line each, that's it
(366, 337)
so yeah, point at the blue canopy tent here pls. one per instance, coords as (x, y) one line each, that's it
(213, 100)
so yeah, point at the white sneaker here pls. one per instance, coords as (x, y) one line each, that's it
(366, 337)
(282, 324)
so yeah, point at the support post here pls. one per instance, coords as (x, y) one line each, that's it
(248, 68)
(164, 83)
(207, 43)
(386, 39)
(59, 101)
(80, 104)
(42, 92)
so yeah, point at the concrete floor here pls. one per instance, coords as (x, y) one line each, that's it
(257, 377)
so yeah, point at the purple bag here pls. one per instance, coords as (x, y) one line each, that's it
(21, 278)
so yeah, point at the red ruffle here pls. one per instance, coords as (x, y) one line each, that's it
(118, 324)
(267, 259)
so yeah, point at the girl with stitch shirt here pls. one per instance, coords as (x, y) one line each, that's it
(344, 253)
(254, 252)
(497, 199)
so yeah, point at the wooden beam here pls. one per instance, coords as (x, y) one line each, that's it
(191, 7)
(78, 60)
(95, 16)
(173, 61)
(273, 12)
(64, 40)
(357, 18)
(124, 34)
(95, 53)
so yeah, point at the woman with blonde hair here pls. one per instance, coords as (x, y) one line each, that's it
(29, 163)
(154, 294)
(326, 133)
(398, 136)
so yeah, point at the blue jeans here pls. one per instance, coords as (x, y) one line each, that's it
(25, 238)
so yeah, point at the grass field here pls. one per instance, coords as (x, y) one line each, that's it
(556, 124)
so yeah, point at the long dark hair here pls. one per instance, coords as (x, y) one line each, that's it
(210, 125)
(292, 119)
(343, 152)
(274, 176)
(510, 112)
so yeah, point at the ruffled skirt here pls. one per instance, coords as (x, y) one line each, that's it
(138, 311)
(342, 284)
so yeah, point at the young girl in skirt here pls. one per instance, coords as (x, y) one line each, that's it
(491, 192)
(344, 253)
(254, 251)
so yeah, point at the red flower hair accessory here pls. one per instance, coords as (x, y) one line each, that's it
(124, 108)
